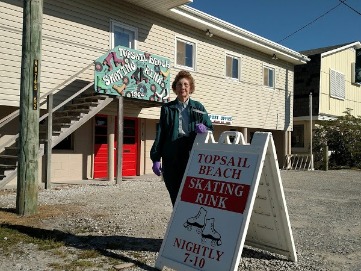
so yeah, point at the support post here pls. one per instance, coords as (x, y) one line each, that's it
(28, 168)
(111, 148)
(49, 141)
(326, 157)
(120, 140)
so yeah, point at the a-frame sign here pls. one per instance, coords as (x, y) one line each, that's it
(231, 193)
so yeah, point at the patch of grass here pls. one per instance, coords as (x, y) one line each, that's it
(89, 253)
(60, 253)
(72, 266)
(79, 264)
(48, 244)
(9, 238)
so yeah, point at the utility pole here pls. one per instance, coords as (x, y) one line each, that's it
(27, 177)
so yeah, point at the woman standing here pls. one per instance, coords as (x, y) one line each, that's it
(180, 121)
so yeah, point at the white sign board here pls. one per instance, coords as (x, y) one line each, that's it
(213, 211)
(220, 119)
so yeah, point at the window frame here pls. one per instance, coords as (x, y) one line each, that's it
(185, 40)
(233, 56)
(114, 24)
(268, 67)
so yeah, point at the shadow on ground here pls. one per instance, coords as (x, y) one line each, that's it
(105, 245)
(101, 244)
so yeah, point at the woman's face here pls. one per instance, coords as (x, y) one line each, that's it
(183, 89)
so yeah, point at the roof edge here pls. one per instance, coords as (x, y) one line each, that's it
(356, 45)
(231, 30)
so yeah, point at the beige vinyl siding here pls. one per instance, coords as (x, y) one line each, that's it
(248, 101)
(75, 34)
(10, 52)
(340, 62)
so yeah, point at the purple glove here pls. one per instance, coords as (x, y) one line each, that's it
(201, 128)
(157, 168)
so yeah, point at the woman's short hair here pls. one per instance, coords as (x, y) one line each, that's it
(181, 75)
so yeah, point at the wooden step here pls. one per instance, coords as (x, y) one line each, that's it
(82, 105)
(11, 151)
(93, 94)
(65, 119)
(55, 132)
(7, 167)
(8, 156)
(6, 159)
(94, 98)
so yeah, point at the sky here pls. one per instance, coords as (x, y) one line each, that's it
(296, 24)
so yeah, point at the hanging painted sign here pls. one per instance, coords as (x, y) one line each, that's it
(230, 191)
(358, 66)
(133, 74)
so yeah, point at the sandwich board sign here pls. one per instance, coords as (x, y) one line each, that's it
(231, 194)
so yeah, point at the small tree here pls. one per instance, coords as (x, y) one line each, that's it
(342, 136)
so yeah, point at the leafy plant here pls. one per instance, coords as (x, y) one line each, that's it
(342, 136)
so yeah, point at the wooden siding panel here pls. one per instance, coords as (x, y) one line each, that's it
(10, 53)
(72, 39)
(341, 62)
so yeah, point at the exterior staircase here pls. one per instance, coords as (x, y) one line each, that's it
(66, 117)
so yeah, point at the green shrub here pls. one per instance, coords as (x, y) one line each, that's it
(342, 136)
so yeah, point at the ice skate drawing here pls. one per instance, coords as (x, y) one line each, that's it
(165, 74)
(139, 76)
(210, 233)
(120, 89)
(197, 221)
(117, 60)
(164, 95)
(107, 61)
(101, 85)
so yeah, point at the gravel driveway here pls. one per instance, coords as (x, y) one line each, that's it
(126, 223)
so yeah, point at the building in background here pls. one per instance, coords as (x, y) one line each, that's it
(245, 81)
(331, 77)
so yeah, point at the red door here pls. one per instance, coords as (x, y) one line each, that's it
(130, 147)
(101, 147)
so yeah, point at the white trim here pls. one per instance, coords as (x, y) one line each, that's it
(270, 67)
(314, 118)
(114, 23)
(185, 39)
(229, 31)
(355, 45)
(236, 56)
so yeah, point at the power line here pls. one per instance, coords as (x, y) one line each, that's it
(319, 17)
(343, 2)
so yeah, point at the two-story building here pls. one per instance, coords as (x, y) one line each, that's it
(244, 80)
(329, 80)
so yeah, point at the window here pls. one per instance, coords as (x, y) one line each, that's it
(185, 53)
(269, 77)
(232, 67)
(123, 35)
(298, 137)
(101, 133)
(337, 85)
